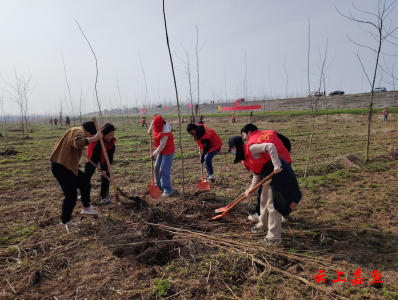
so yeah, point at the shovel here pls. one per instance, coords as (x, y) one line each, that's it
(203, 185)
(233, 204)
(222, 209)
(154, 190)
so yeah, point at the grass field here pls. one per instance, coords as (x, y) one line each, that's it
(144, 248)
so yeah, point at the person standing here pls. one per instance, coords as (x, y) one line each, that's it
(51, 121)
(233, 119)
(55, 121)
(281, 194)
(96, 155)
(164, 153)
(143, 122)
(210, 144)
(67, 121)
(65, 168)
(385, 114)
(201, 118)
(251, 116)
(182, 119)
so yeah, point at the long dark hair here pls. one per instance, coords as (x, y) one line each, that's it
(237, 142)
(108, 127)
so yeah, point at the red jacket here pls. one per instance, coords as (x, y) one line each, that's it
(260, 137)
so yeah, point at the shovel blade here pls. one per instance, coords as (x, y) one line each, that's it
(203, 185)
(220, 210)
(154, 191)
(219, 217)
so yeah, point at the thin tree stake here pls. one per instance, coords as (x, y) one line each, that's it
(178, 103)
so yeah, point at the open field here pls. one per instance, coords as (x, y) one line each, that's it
(167, 248)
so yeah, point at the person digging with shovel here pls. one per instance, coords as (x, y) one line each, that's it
(283, 147)
(280, 194)
(96, 155)
(65, 168)
(209, 142)
(164, 153)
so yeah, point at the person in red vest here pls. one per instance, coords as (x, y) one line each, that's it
(385, 114)
(233, 119)
(55, 121)
(209, 142)
(143, 122)
(264, 153)
(96, 155)
(164, 153)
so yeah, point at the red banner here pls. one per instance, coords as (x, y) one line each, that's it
(248, 107)
(143, 110)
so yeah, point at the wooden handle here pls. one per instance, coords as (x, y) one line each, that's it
(250, 192)
(201, 164)
(150, 152)
(106, 158)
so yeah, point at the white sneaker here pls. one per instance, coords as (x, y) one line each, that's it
(270, 242)
(256, 230)
(165, 195)
(89, 211)
(70, 223)
(253, 217)
(106, 200)
(212, 179)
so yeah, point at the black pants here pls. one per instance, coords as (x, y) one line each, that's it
(70, 183)
(260, 190)
(144, 124)
(89, 170)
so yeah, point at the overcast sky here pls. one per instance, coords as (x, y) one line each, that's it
(34, 34)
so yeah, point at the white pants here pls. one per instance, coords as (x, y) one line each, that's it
(269, 218)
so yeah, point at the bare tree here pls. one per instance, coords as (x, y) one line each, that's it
(197, 63)
(380, 29)
(70, 97)
(20, 92)
(96, 76)
(245, 80)
(4, 121)
(287, 75)
(146, 87)
(186, 73)
(178, 103)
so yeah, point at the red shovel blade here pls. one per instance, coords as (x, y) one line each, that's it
(221, 209)
(218, 217)
(154, 191)
(203, 185)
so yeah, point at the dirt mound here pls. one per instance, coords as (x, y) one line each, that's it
(9, 152)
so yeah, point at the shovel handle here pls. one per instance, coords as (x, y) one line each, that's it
(244, 196)
(201, 165)
(106, 158)
(150, 152)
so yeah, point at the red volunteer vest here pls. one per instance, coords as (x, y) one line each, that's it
(260, 137)
(210, 134)
(169, 148)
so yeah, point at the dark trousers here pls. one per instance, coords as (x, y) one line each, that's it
(70, 183)
(144, 124)
(89, 170)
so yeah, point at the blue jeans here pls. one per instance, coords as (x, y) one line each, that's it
(162, 172)
(208, 158)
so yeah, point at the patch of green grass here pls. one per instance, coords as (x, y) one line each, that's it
(161, 288)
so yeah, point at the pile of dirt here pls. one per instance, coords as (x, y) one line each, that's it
(9, 152)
